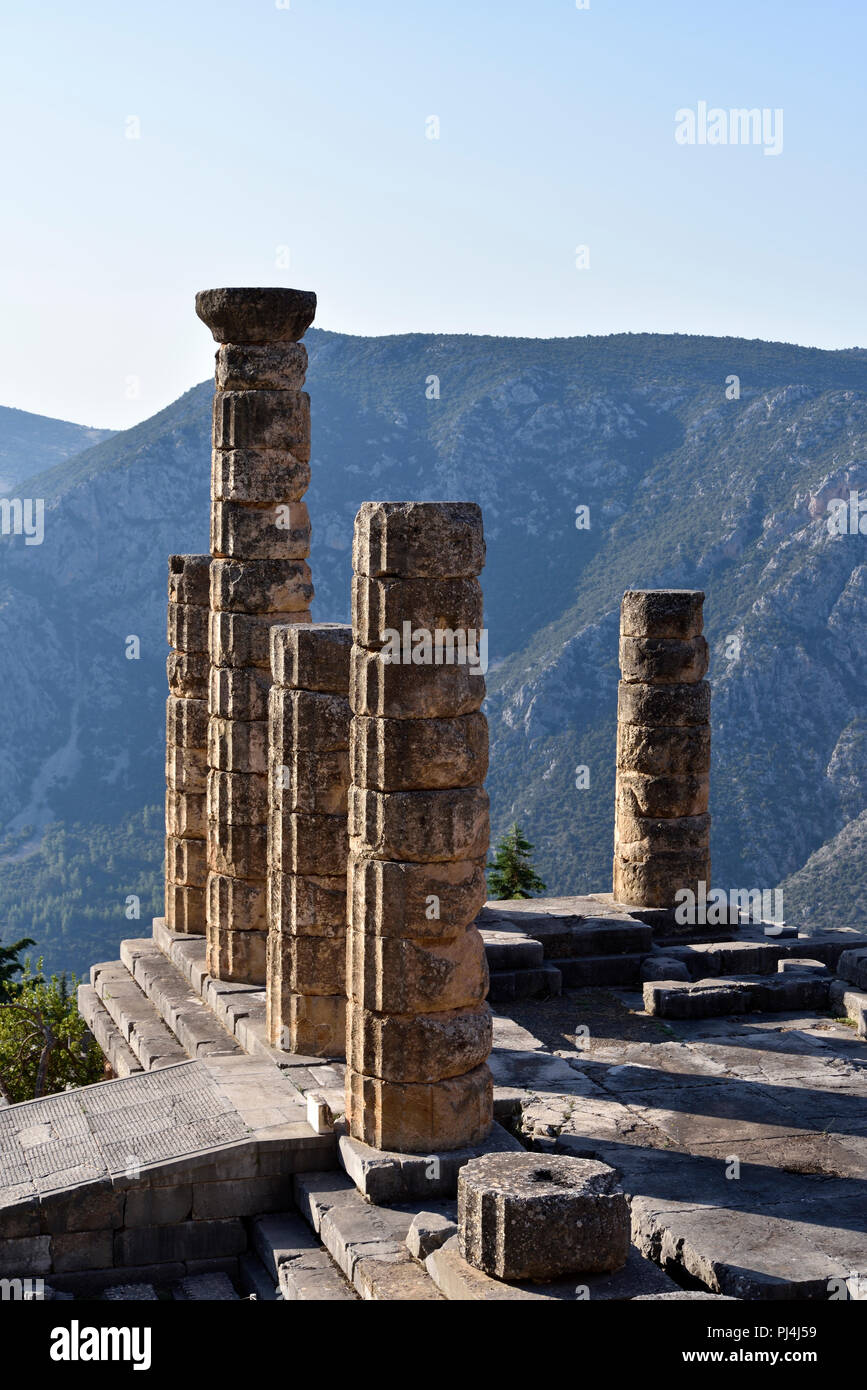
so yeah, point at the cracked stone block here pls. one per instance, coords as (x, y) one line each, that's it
(238, 694)
(238, 745)
(187, 627)
(260, 586)
(418, 540)
(236, 904)
(532, 1216)
(242, 639)
(666, 797)
(408, 755)
(187, 674)
(381, 607)
(263, 367)
(258, 476)
(429, 1231)
(189, 579)
(385, 690)
(186, 723)
(663, 660)
(419, 1047)
(185, 815)
(277, 531)
(420, 826)
(668, 613)
(418, 1117)
(314, 657)
(415, 901)
(660, 751)
(390, 975)
(665, 705)
(262, 420)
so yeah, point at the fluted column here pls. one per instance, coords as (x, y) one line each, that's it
(186, 742)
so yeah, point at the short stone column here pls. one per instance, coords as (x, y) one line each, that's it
(186, 742)
(260, 537)
(308, 783)
(418, 1029)
(662, 826)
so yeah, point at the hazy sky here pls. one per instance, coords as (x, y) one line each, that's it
(299, 130)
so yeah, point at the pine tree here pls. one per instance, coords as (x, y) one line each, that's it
(10, 965)
(512, 875)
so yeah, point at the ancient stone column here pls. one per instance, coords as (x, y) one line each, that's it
(260, 536)
(418, 1029)
(308, 774)
(662, 826)
(186, 742)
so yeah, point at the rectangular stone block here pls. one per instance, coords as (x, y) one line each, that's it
(313, 657)
(188, 1240)
(78, 1250)
(663, 704)
(312, 965)
(420, 1118)
(242, 639)
(240, 694)
(424, 540)
(315, 783)
(419, 826)
(382, 689)
(189, 579)
(263, 420)
(418, 1047)
(238, 745)
(238, 850)
(314, 1024)
(382, 607)
(185, 908)
(187, 627)
(638, 795)
(187, 674)
(185, 815)
(415, 754)
(237, 798)
(186, 723)
(663, 660)
(237, 955)
(657, 751)
(414, 901)
(309, 845)
(258, 475)
(307, 721)
(261, 366)
(186, 769)
(309, 905)
(390, 975)
(237, 904)
(279, 530)
(669, 613)
(260, 586)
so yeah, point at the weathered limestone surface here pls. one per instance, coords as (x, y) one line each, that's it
(662, 826)
(187, 742)
(418, 1034)
(308, 781)
(260, 540)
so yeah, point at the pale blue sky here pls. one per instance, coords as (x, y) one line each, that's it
(304, 127)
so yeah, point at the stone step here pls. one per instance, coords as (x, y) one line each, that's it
(292, 1257)
(196, 1027)
(120, 1056)
(135, 1017)
(366, 1242)
(852, 966)
(723, 957)
(733, 994)
(540, 981)
(568, 936)
(852, 1003)
(254, 1281)
(579, 972)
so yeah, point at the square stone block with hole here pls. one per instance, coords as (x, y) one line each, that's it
(414, 754)
(239, 694)
(237, 904)
(238, 745)
(237, 955)
(250, 531)
(384, 690)
(240, 639)
(238, 850)
(381, 607)
(667, 613)
(665, 705)
(388, 975)
(307, 905)
(262, 367)
(418, 540)
(420, 1118)
(419, 1047)
(186, 723)
(187, 674)
(186, 861)
(238, 798)
(415, 901)
(258, 475)
(185, 815)
(260, 586)
(189, 579)
(314, 657)
(187, 627)
(419, 826)
(263, 420)
(541, 1216)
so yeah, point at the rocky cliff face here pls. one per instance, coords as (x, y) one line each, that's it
(682, 487)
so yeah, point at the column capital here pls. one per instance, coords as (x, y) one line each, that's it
(256, 315)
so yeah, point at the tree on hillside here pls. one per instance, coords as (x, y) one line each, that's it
(512, 875)
(10, 965)
(45, 1045)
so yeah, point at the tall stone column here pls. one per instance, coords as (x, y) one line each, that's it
(308, 772)
(419, 1030)
(662, 826)
(186, 742)
(260, 537)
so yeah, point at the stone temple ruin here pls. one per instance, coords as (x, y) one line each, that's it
(313, 1097)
